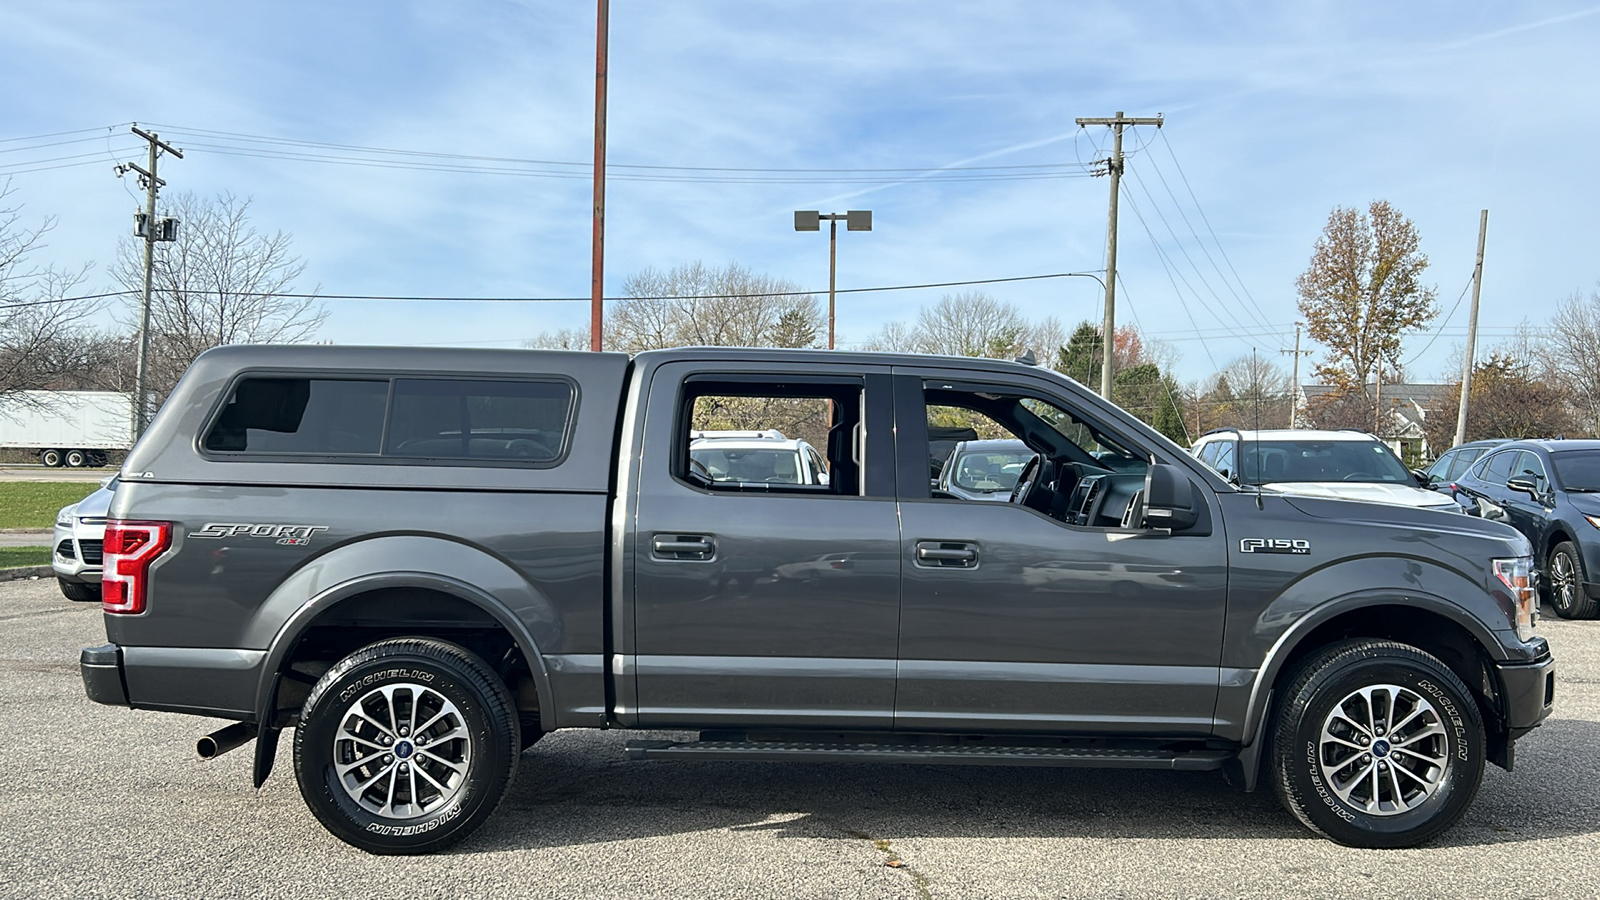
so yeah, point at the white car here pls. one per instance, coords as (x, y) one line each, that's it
(1339, 465)
(756, 457)
(79, 541)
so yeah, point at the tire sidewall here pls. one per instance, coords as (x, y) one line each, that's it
(1464, 741)
(487, 772)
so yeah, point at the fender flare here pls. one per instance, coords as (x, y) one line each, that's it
(1272, 666)
(295, 626)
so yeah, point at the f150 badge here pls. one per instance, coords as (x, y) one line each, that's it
(287, 535)
(1296, 546)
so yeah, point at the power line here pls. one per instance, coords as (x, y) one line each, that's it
(40, 137)
(1176, 276)
(1207, 220)
(445, 299)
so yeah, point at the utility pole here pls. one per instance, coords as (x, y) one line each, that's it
(152, 230)
(1294, 380)
(598, 264)
(1472, 331)
(1114, 168)
(811, 220)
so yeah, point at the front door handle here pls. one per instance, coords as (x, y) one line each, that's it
(682, 546)
(947, 554)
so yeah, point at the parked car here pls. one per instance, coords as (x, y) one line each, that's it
(756, 457)
(984, 470)
(1452, 463)
(79, 541)
(1344, 465)
(1549, 491)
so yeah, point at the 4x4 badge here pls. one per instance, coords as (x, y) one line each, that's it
(1296, 546)
(287, 535)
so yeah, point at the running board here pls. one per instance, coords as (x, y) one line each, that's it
(1097, 757)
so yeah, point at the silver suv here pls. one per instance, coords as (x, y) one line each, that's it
(79, 542)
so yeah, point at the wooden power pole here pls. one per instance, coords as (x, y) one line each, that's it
(1114, 169)
(597, 269)
(1294, 380)
(1472, 332)
(151, 230)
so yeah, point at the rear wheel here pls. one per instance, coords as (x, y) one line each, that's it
(79, 592)
(1377, 745)
(406, 746)
(77, 459)
(1564, 581)
(51, 458)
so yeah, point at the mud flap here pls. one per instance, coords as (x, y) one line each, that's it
(267, 735)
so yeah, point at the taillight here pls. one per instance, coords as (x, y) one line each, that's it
(130, 548)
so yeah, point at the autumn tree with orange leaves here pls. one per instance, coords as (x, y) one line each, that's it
(1363, 291)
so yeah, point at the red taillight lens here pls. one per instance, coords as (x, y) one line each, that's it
(130, 548)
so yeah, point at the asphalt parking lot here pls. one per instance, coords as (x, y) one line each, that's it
(108, 802)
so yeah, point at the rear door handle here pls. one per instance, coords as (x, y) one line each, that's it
(682, 546)
(947, 554)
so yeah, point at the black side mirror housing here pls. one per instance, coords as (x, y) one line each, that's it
(1168, 498)
(1523, 483)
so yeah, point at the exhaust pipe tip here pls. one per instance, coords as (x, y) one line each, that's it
(222, 740)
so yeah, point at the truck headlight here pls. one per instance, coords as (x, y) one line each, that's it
(64, 517)
(1517, 575)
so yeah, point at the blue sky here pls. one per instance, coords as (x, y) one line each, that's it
(1275, 112)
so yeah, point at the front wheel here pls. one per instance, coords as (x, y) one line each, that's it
(406, 746)
(1564, 582)
(1377, 745)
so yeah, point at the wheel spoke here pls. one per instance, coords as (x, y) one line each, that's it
(359, 714)
(1338, 714)
(457, 766)
(420, 770)
(1432, 729)
(1395, 794)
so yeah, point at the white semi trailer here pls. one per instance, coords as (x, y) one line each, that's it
(67, 428)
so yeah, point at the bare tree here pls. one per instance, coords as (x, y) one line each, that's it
(221, 282)
(1249, 392)
(1569, 358)
(694, 305)
(1363, 291)
(972, 324)
(44, 332)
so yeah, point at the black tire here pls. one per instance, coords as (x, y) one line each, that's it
(443, 682)
(1306, 768)
(76, 459)
(51, 458)
(1564, 583)
(80, 591)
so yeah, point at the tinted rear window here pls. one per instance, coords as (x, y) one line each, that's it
(479, 419)
(301, 415)
(428, 418)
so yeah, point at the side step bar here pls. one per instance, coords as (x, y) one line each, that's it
(969, 755)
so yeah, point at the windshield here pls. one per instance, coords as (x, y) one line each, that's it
(1578, 470)
(990, 471)
(771, 466)
(1276, 461)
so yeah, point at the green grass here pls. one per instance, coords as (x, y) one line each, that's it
(11, 557)
(33, 504)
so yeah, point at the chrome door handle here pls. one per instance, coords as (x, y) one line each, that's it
(682, 546)
(948, 554)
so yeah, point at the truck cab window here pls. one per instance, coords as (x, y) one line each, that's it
(1033, 453)
(771, 438)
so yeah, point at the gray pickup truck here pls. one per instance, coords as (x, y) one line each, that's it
(423, 560)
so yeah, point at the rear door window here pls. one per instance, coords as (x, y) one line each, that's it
(1497, 468)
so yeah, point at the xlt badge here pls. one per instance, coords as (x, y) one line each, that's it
(1296, 546)
(287, 535)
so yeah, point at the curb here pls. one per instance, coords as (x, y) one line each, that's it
(23, 573)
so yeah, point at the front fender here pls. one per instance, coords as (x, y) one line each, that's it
(1325, 594)
(405, 561)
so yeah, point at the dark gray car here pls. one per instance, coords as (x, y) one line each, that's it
(423, 560)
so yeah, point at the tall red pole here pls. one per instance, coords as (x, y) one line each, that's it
(597, 271)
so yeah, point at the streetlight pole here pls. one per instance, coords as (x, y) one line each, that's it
(811, 220)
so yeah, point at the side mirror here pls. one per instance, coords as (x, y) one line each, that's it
(822, 478)
(1421, 477)
(1168, 498)
(1525, 484)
